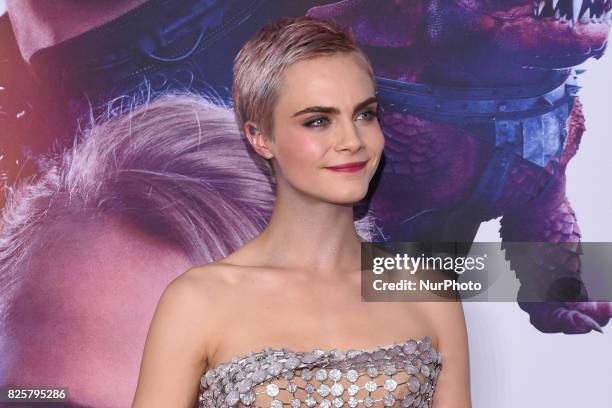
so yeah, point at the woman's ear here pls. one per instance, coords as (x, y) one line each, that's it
(260, 142)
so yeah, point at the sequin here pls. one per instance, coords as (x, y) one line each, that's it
(272, 390)
(379, 354)
(413, 384)
(310, 401)
(337, 389)
(244, 385)
(390, 384)
(291, 387)
(310, 358)
(248, 397)
(306, 374)
(309, 388)
(259, 376)
(410, 347)
(321, 374)
(411, 369)
(425, 370)
(423, 388)
(353, 389)
(232, 397)
(323, 390)
(428, 356)
(335, 374)
(292, 362)
(371, 386)
(275, 368)
(424, 345)
(407, 402)
(351, 375)
(388, 400)
(390, 370)
(280, 374)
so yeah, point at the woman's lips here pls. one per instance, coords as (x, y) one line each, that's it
(348, 167)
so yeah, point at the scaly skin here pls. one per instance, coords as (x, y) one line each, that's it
(433, 165)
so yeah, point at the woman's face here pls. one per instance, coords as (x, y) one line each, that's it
(325, 117)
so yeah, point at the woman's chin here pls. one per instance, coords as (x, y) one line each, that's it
(348, 196)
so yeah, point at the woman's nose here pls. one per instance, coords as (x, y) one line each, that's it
(349, 138)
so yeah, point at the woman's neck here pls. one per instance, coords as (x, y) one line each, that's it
(308, 233)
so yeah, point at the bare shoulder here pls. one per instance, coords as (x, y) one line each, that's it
(208, 290)
(183, 334)
(205, 279)
(213, 279)
(202, 292)
(195, 290)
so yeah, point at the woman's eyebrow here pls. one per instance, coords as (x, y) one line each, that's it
(365, 103)
(332, 110)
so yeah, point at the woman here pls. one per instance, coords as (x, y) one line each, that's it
(280, 322)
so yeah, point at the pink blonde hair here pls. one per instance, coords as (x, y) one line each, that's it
(259, 65)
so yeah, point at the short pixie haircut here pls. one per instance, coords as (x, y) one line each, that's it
(259, 65)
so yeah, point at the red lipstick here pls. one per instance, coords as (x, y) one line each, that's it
(348, 167)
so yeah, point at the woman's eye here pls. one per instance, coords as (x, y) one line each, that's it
(370, 115)
(317, 122)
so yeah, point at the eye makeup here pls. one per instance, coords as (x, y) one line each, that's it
(311, 122)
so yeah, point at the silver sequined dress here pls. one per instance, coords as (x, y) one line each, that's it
(396, 375)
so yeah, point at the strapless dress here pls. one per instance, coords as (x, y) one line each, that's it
(395, 375)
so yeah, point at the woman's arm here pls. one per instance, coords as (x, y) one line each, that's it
(453, 388)
(175, 354)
